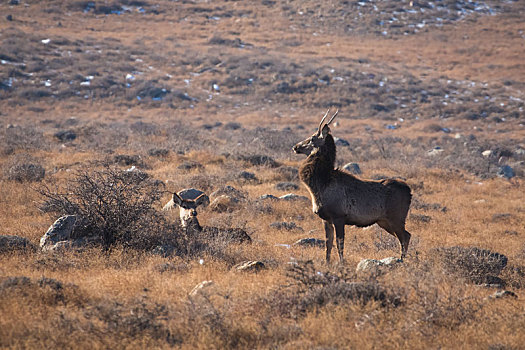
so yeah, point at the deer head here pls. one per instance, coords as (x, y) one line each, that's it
(188, 208)
(317, 140)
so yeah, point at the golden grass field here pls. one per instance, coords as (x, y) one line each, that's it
(157, 84)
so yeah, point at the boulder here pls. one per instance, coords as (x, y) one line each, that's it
(374, 266)
(352, 168)
(61, 230)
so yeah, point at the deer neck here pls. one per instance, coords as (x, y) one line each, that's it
(317, 169)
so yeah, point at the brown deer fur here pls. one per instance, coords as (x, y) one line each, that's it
(340, 198)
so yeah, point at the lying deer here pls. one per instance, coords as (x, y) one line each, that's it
(340, 198)
(188, 201)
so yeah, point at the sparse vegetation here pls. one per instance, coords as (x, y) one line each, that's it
(105, 107)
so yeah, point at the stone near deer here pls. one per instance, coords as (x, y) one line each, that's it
(188, 200)
(339, 198)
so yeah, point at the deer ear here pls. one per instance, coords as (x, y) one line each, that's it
(202, 200)
(176, 199)
(325, 131)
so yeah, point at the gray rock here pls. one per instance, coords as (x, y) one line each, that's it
(15, 243)
(268, 196)
(294, 197)
(72, 244)
(503, 294)
(353, 168)
(341, 142)
(435, 151)
(61, 230)
(506, 171)
(250, 266)
(286, 186)
(310, 242)
(374, 266)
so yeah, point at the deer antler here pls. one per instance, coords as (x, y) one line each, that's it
(335, 114)
(322, 120)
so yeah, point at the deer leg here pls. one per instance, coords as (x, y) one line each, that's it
(329, 230)
(340, 235)
(399, 231)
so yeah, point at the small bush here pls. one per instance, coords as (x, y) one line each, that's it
(114, 205)
(23, 168)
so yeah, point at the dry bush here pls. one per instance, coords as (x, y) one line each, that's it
(24, 168)
(115, 206)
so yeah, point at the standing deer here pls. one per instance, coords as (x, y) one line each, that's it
(340, 198)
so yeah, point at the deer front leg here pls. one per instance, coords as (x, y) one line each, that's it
(329, 230)
(340, 235)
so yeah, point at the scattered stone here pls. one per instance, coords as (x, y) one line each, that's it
(506, 171)
(487, 153)
(286, 186)
(201, 288)
(503, 294)
(341, 142)
(294, 197)
(378, 266)
(283, 225)
(353, 168)
(75, 244)
(223, 204)
(310, 242)
(61, 230)
(15, 243)
(268, 196)
(65, 135)
(435, 151)
(250, 266)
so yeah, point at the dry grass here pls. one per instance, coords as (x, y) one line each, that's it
(193, 94)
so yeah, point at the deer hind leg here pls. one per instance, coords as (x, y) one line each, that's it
(397, 230)
(329, 230)
(340, 235)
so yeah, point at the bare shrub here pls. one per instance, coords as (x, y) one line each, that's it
(24, 168)
(311, 288)
(475, 264)
(114, 205)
